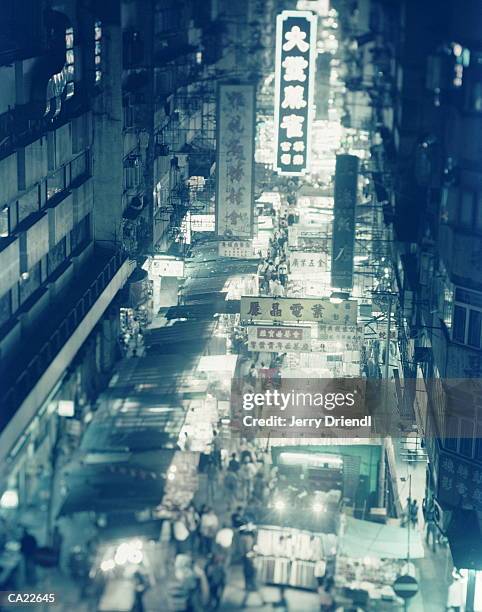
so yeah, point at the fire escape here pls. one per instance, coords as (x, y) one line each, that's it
(188, 138)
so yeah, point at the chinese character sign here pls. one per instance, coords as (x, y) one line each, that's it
(279, 339)
(241, 249)
(346, 177)
(294, 88)
(235, 160)
(320, 310)
(308, 264)
(459, 482)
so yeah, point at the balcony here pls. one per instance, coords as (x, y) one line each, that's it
(39, 358)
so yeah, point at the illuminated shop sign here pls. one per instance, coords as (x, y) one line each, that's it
(294, 89)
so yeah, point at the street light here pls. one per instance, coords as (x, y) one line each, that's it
(279, 505)
(317, 507)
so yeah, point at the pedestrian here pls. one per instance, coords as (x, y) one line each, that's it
(431, 526)
(28, 548)
(208, 528)
(233, 465)
(252, 374)
(259, 488)
(327, 603)
(191, 520)
(456, 594)
(246, 477)
(283, 273)
(216, 576)
(414, 513)
(187, 442)
(212, 478)
(141, 584)
(217, 447)
(57, 541)
(237, 518)
(250, 578)
(231, 488)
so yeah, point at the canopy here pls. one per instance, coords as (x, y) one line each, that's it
(218, 363)
(366, 539)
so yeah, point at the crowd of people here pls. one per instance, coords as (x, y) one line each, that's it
(273, 270)
(221, 532)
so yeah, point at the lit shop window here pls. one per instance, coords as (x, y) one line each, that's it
(98, 50)
(467, 321)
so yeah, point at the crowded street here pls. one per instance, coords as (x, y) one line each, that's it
(240, 347)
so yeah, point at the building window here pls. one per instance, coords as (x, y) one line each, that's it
(459, 324)
(466, 211)
(29, 204)
(79, 167)
(5, 307)
(80, 234)
(98, 50)
(467, 323)
(56, 256)
(470, 210)
(30, 283)
(56, 182)
(132, 172)
(4, 222)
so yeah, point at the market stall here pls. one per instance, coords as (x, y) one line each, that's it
(370, 557)
(287, 557)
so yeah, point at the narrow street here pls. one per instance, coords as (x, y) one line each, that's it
(240, 306)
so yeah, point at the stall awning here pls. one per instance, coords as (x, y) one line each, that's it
(366, 539)
(218, 363)
(185, 331)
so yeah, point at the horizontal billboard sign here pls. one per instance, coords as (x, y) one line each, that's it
(241, 249)
(279, 339)
(236, 109)
(167, 266)
(295, 63)
(346, 178)
(340, 333)
(319, 310)
(306, 264)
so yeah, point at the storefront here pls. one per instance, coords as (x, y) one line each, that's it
(370, 557)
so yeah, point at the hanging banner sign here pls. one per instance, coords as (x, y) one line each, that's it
(301, 309)
(315, 237)
(306, 264)
(295, 63)
(241, 249)
(235, 140)
(279, 339)
(346, 177)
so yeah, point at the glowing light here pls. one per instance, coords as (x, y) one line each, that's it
(9, 499)
(279, 505)
(317, 507)
(108, 565)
